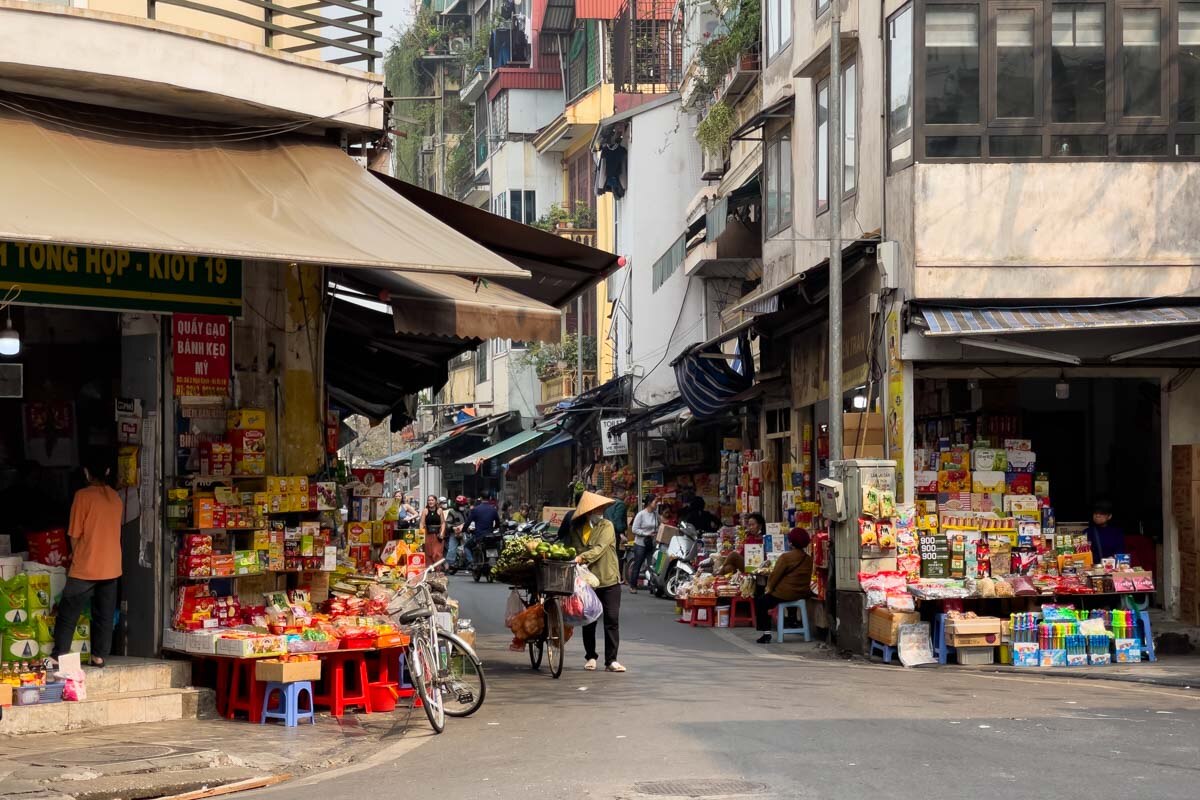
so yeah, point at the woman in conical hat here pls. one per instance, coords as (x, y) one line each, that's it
(595, 541)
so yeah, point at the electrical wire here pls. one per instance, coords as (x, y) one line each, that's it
(667, 349)
(10, 296)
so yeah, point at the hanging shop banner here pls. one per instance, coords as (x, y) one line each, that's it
(895, 398)
(120, 280)
(201, 354)
(613, 444)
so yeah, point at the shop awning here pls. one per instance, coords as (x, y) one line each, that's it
(447, 305)
(707, 380)
(440, 441)
(502, 447)
(162, 187)
(523, 463)
(647, 418)
(943, 321)
(559, 269)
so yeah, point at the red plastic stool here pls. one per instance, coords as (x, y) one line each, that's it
(334, 693)
(736, 619)
(711, 614)
(245, 693)
(386, 671)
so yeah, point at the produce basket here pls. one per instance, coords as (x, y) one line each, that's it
(556, 577)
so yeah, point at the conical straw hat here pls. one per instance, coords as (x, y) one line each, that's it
(591, 502)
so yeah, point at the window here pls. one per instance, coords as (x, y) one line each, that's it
(500, 346)
(849, 135)
(667, 263)
(1077, 63)
(500, 205)
(900, 86)
(581, 181)
(777, 167)
(522, 206)
(500, 116)
(779, 26)
(1022, 79)
(483, 362)
(951, 64)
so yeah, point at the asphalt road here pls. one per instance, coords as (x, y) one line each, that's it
(700, 705)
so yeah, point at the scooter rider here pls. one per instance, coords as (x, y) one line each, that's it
(456, 534)
(483, 520)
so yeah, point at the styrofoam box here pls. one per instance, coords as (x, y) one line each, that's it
(202, 642)
(174, 640)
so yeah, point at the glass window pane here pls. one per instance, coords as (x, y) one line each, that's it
(516, 207)
(823, 145)
(900, 73)
(902, 152)
(1015, 146)
(1153, 144)
(952, 147)
(1187, 144)
(952, 65)
(785, 22)
(785, 184)
(1077, 72)
(1189, 62)
(849, 126)
(1071, 146)
(1015, 64)
(771, 172)
(772, 27)
(1141, 62)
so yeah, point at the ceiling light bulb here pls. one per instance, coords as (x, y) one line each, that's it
(10, 340)
(1062, 389)
(859, 401)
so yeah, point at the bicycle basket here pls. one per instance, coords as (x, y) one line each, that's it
(409, 599)
(556, 577)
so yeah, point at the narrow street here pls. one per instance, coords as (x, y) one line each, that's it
(702, 705)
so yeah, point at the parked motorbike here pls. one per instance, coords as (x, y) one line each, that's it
(486, 552)
(675, 564)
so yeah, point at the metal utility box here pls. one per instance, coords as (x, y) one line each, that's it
(855, 475)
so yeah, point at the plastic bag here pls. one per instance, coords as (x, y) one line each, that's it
(583, 607)
(877, 586)
(588, 576)
(513, 608)
(530, 623)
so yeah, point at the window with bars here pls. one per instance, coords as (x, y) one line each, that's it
(583, 58)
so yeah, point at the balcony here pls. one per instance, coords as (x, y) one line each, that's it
(474, 81)
(740, 80)
(561, 386)
(242, 62)
(482, 150)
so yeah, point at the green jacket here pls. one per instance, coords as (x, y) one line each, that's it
(600, 553)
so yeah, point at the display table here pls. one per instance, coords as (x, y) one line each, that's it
(238, 690)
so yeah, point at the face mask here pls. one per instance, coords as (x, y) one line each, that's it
(595, 519)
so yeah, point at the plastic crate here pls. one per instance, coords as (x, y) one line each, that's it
(556, 577)
(976, 656)
(52, 692)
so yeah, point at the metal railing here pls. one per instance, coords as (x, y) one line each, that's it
(304, 26)
(481, 149)
(647, 53)
(562, 386)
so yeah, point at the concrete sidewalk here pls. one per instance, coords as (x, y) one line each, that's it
(164, 758)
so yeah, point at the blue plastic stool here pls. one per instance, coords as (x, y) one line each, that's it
(885, 651)
(289, 703)
(939, 638)
(781, 612)
(1146, 635)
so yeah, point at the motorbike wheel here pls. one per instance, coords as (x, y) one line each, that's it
(675, 580)
(476, 575)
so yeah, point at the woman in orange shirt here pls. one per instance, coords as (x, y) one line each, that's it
(95, 531)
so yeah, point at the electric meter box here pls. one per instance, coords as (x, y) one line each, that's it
(856, 475)
(832, 496)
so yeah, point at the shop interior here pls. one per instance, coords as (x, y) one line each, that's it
(63, 405)
(1094, 438)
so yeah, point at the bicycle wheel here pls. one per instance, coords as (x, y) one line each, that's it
(425, 677)
(535, 653)
(556, 641)
(463, 684)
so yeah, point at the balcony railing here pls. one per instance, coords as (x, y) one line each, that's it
(509, 47)
(647, 53)
(556, 388)
(345, 39)
(481, 149)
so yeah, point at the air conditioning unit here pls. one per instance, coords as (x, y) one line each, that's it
(713, 165)
(427, 144)
(459, 45)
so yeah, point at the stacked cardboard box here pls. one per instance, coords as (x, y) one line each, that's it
(862, 435)
(1185, 506)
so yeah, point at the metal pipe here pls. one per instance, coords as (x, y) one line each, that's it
(579, 345)
(835, 235)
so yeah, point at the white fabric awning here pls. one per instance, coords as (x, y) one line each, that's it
(290, 199)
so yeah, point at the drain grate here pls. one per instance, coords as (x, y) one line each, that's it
(699, 788)
(108, 754)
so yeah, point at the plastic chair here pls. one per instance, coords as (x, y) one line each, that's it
(885, 651)
(243, 690)
(939, 639)
(708, 612)
(736, 619)
(289, 703)
(780, 612)
(1146, 635)
(345, 682)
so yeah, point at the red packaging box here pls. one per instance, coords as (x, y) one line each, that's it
(197, 544)
(1018, 483)
(216, 458)
(195, 566)
(223, 565)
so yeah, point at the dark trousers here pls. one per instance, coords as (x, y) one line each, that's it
(610, 598)
(75, 597)
(763, 603)
(642, 555)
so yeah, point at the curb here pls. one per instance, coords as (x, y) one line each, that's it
(1192, 682)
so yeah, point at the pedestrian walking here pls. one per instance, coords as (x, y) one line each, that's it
(95, 532)
(433, 525)
(593, 538)
(791, 579)
(645, 535)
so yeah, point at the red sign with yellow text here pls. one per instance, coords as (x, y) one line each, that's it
(200, 344)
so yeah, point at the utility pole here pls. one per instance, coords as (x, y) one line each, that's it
(835, 235)
(579, 345)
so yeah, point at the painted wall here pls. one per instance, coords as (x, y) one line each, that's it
(517, 165)
(530, 110)
(663, 176)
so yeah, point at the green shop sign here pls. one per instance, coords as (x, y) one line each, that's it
(120, 280)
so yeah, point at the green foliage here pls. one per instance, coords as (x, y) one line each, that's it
(555, 358)
(743, 21)
(714, 130)
(460, 164)
(582, 217)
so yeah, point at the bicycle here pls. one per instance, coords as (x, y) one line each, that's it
(437, 671)
(552, 640)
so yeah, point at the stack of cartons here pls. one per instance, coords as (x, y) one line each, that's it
(862, 434)
(1185, 506)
